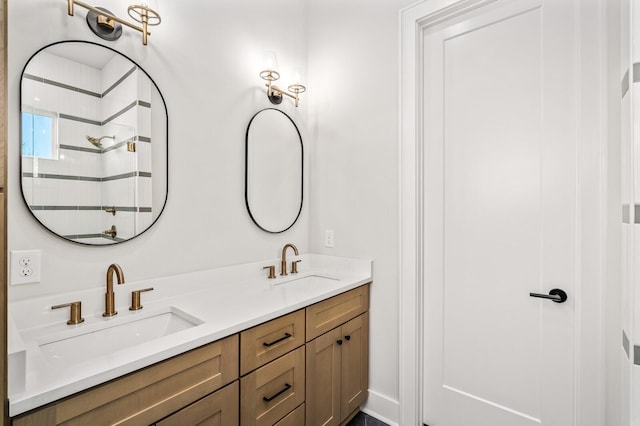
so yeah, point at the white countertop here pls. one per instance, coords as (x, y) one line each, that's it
(225, 301)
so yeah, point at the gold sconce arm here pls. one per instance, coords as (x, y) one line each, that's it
(272, 90)
(274, 93)
(147, 17)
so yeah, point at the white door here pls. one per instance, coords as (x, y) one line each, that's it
(500, 215)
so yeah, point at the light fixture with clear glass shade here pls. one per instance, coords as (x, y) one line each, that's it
(271, 74)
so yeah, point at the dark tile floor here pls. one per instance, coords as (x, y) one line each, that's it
(362, 419)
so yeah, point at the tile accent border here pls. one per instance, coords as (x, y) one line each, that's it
(636, 72)
(108, 120)
(79, 89)
(80, 119)
(86, 178)
(79, 148)
(86, 236)
(120, 80)
(625, 84)
(94, 94)
(93, 208)
(625, 343)
(61, 177)
(124, 143)
(626, 213)
(62, 85)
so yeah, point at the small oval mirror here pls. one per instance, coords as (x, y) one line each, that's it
(273, 170)
(93, 145)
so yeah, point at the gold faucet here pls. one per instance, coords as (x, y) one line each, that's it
(111, 232)
(110, 297)
(283, 264)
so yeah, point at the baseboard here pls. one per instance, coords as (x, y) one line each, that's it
(382, 408)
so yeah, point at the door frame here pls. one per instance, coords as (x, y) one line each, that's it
(591, 209)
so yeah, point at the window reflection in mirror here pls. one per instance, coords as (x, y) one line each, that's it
(39, 134)
(94, 143)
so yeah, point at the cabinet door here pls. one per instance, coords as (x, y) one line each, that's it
(355, 364)
(323, 379)
(218, 409)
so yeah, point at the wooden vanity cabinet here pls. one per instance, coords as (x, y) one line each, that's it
(338, 360)
(147, 395)
(307, 367)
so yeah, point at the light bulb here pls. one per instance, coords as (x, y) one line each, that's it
(270, 61)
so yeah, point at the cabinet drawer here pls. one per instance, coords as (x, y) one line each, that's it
(219, 408)
(328, 314)
(272, 391)
(294, 418)
(149, 394)
(268, 341)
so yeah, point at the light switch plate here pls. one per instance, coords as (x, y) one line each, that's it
(329, 240)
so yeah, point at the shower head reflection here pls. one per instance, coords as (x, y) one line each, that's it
(97, 142)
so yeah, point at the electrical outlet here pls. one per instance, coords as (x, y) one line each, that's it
(328, 238)
(25, 267)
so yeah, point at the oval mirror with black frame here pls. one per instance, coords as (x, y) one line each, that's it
(273, 170)
(94, 143)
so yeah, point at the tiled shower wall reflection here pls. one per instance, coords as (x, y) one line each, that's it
(70, 193)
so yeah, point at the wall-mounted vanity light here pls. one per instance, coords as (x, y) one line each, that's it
(107, 26)
(271, 74)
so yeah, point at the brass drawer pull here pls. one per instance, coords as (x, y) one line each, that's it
(287, 386)
(285, 337)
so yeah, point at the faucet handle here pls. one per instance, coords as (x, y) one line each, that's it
(294, 266)
(135, 299)
(75, 314)
(113, 232)
(272, 270)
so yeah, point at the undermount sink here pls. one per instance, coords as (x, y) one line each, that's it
(309, 279)
(110, 336)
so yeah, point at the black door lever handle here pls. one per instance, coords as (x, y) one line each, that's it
(557, 295)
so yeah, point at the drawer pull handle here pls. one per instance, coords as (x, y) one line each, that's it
(347, 337)
(285, 337)
(339, 341)
(287, 386)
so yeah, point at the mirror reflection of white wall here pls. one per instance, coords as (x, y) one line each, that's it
(274, 170)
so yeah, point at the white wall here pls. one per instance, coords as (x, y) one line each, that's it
(205, 58)
(353, 117)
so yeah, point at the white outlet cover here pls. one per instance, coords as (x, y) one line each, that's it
(16, 270)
